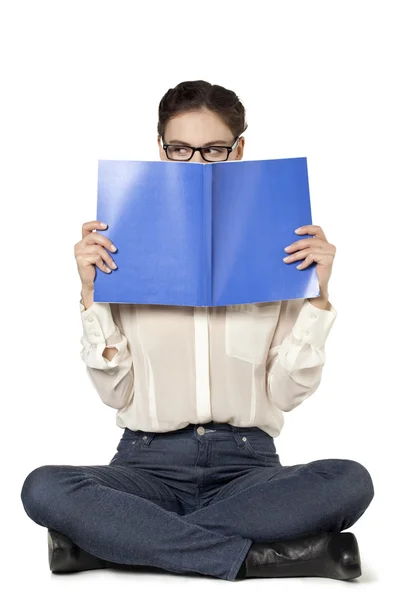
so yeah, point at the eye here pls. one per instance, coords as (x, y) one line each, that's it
(214, 150)
(180, 150)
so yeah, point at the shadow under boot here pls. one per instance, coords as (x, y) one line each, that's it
(334, 555)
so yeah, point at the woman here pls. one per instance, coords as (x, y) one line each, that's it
(196, 485)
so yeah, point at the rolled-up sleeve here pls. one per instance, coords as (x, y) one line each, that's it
(113, 379)
(297, 354)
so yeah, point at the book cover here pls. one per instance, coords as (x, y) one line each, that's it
(195, 234)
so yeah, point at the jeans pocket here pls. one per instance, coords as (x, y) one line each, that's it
(128, 446)
(261, 448)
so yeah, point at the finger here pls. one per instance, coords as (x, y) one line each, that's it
(91, 225)
(296, 256)
(314, 230)
(101, 265)
(92, 253)
(97, 250)
(320, 258)
(303, 253)
(98, 239)
(92, 259)
(306, 263)
(305, 243)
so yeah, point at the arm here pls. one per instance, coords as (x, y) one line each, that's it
(297, 354)
(86, 302)
(105, 352)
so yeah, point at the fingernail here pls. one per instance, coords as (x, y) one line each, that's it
(297, 230)
(113, 248)
(287, 258)
(103, 225)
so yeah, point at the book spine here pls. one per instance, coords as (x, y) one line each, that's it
(207, 233)
(307, 188)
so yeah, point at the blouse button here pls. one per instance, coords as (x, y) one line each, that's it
(313, 316)
(90, 319)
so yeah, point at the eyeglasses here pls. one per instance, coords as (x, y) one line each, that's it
(208, 153)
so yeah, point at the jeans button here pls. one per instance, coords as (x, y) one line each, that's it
(201, 430)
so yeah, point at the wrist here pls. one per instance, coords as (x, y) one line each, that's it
(322, 301)
(87, 293)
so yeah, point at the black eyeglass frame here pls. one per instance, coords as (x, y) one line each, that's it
(200, 149)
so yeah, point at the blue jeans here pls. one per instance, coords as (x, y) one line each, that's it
(194, 500)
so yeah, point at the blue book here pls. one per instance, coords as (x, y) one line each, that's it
(195, 234)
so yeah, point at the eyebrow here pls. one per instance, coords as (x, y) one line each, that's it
(224, 142)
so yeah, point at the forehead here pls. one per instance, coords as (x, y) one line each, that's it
(197, 128)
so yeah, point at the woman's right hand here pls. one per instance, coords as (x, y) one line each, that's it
(91, 250)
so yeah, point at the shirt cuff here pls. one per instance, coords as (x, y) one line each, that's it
(97, 321)
(314, 324)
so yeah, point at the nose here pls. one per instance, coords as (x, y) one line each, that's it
(197, 157)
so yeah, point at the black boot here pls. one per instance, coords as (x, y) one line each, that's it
(65, 556)
(333, 555)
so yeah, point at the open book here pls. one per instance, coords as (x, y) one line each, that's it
(194, 234)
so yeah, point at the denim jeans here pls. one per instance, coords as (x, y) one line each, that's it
(194, 500)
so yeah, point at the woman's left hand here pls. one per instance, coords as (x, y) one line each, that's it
(316, 249)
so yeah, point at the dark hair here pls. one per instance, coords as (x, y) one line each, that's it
(194, 95)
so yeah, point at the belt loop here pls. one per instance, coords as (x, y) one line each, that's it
(237, 437)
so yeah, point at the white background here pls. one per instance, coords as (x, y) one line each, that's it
(82, 81)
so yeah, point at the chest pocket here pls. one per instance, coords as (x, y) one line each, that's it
(249, 329)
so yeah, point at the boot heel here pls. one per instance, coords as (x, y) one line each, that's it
(344, 550)
(66, 557)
